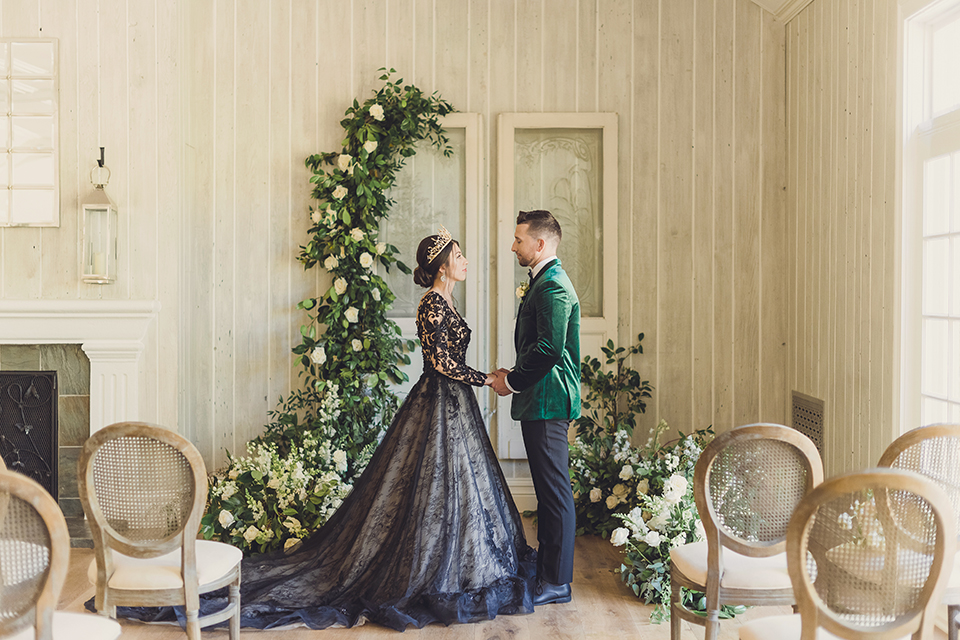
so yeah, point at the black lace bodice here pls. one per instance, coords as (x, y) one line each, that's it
(445, 337)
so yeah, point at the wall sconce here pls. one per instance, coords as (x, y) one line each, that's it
(98, 258)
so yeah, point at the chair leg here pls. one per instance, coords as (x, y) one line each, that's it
(675, 621)
(952, 612)
(193, 624)
(235, 619)
(712, 625)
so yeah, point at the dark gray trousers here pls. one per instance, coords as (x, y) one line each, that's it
(549, 458)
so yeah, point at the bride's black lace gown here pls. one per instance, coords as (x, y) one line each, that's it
(429, 533)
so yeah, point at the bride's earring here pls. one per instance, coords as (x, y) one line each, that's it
(443, 278)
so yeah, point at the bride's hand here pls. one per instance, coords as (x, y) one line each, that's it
(489, 380)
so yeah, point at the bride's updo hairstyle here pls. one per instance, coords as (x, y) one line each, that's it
(426, 271)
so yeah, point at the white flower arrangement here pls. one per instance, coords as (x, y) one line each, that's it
(356, 345)
(331, 263)
(340, 192)
(366, 260)
(376, 112)
(352, 314)
(370, 146)
(357, 234)
(340, 286)
(344, 162)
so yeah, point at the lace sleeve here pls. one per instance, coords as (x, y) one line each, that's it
(443, 348)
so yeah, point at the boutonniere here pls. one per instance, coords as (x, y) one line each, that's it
(522, 289)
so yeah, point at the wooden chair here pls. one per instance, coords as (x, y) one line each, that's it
(934, 451)
(144, 489)
(746, 484)
(34, 557)
(866, 553)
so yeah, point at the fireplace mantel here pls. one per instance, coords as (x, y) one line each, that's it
(111, 334)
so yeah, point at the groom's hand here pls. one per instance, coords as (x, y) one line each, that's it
(498, 383)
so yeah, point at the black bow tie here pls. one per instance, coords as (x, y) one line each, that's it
(530, 273)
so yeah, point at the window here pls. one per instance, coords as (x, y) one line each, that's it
(29, 194)
(931, 216)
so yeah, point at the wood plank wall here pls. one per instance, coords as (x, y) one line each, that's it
(842, 235)
(210, 106)
(119, 89)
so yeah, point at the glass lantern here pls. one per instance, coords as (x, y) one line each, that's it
(98, 261)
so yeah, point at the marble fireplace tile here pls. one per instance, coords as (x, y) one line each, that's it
(72, 367)
(67, 472)
(74, 416)
(20, 357)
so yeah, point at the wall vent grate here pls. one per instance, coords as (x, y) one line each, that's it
(807, 415)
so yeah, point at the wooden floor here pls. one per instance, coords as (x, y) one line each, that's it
(602, 607)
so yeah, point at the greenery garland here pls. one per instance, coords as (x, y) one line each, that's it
(322, 436)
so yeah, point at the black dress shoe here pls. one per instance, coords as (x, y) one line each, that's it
(549, 593)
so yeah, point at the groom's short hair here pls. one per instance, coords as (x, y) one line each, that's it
(541, 224)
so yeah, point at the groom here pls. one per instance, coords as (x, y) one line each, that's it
(546, 385)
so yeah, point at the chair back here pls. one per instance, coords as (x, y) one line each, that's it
(932, 451)
(865, 553)
(34, 555)
(143, 488)
(747, 483)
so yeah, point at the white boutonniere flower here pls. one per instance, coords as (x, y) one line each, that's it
(522, 289)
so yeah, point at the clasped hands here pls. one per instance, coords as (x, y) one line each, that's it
(496, 380)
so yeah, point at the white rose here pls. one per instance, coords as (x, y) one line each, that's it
(621, 492)
(343, 162)
(357, 234)
(291, 542)
(292, 523)
(381, 247)
(619, 537)
(595, 495)
(612, 501)
(340, 286)
(318, 355)
(366, 260)
(636, 515)
(274, 483)
(226, 519)
(340, 192)
(228, 490)
(678, 483)
(340, 460)
(643, 486)
(370, 146)
(376, 294)
(376, 112)
(652, 538)
(331, 263)
(352, 314)
(251, 533)
(659, 521)
(315, 216)
(356, 344)
(627, 472)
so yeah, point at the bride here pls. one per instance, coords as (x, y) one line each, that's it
(430, 532)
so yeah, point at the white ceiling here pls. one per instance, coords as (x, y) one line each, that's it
(785, 10)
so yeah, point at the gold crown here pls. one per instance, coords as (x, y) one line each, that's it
(443, 239)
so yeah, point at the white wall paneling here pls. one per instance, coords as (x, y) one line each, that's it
(842, 237)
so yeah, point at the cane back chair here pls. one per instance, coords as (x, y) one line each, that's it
(747, 483)
(144, 489)
(34, 556)
(867, 554)
(934, 451)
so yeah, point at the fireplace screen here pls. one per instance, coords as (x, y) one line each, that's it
(28, 425)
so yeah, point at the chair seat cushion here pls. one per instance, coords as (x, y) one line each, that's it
(214, 560)
(867, 563)
(781, 628)
(739, 571)
(73, 626)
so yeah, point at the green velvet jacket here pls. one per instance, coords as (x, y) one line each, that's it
(547, 338)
